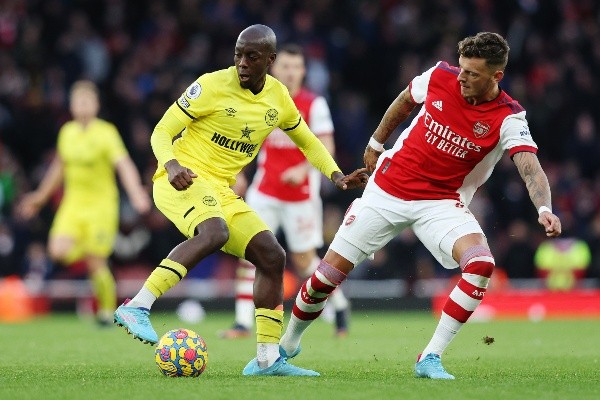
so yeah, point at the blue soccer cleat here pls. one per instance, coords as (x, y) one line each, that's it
(430, 366)
(136, 322)
(293, 354)
(280, 368)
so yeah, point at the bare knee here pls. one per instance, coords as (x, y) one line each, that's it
(214, 233)
(266, 253)
(60, 249)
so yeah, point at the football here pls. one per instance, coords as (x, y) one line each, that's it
(181, 352)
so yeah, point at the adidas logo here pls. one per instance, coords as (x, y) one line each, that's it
(437, 104)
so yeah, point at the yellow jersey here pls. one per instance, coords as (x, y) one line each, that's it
(88, 155)
(217, 127)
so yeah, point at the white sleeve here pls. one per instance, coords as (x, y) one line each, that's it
(514, 132)
(320, 117)
(420, 84)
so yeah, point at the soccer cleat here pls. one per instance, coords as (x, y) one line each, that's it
(136, 322)
(238, 331)
(293, 354)
(430, 366)
(280, 368)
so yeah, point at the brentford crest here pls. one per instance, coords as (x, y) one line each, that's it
(480, 129)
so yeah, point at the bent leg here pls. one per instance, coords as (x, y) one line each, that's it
(211, 235)
(64, 249)
(477, 264)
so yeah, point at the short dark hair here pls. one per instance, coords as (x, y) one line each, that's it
(487, 45)
(292, 48)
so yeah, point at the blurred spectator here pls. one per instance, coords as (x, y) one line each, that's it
(562, 262)
(142, 54)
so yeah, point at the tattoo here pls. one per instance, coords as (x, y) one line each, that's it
(396, 113)
(535, 179)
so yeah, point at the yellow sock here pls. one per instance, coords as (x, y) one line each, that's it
(105, 289)
(269, 324)
(164, 277)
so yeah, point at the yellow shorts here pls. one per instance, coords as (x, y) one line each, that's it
(203, 200)
(92, 227)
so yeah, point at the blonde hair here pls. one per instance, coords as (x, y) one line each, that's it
(85, 85)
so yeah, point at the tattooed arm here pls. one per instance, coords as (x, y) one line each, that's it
(396, 113)
(539, 190)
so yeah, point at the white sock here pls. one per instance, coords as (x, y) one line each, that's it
(244, 299)
(293, 334)
(267, 354)
(144, 299)
(244, 313)
(446, 330)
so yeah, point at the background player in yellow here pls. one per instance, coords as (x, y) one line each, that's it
(89, 150)
(202, 142)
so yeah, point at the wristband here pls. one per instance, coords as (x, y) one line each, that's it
(375, 145)
(542, 209)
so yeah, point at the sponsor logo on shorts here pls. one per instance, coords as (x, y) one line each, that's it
(350, 220)
(209, 201)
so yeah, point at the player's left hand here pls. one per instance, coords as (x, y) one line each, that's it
(356, 179)
(551, 223)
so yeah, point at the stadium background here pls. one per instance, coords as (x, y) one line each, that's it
(360, 54)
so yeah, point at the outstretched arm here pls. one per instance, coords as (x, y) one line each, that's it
(396, 113)
(538, 187)
(32, 202)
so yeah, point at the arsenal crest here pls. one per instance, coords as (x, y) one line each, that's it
(480, 129)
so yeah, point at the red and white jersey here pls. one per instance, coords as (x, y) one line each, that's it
(451, 146)
(279, 152)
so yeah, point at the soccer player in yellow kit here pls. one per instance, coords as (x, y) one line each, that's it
(202, 142)
(89, 150)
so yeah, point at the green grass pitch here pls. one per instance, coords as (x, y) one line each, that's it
(63, 357)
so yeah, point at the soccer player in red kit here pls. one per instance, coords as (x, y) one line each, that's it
(427, 180)
(285, 192)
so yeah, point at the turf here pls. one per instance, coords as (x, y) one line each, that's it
(63, 357)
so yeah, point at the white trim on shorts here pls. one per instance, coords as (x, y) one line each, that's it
(377, 217)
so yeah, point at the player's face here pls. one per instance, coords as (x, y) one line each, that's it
(252, 61)
(477, 81)
(289, 69)
(84, 104)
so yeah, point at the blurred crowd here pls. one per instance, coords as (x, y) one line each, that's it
(360, 54)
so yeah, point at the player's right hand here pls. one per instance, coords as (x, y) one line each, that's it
(29, 205)
(180, 177)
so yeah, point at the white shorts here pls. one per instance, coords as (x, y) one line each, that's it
(377, 217)
(300, 221)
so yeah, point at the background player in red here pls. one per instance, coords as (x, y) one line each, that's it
(426, 181)
(285, 192)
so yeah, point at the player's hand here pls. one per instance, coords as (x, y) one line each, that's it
(295, 175)
(370, 158)
(29, 205)
(551, 223)
(354, 180)
(180, 177)
(141, 202)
